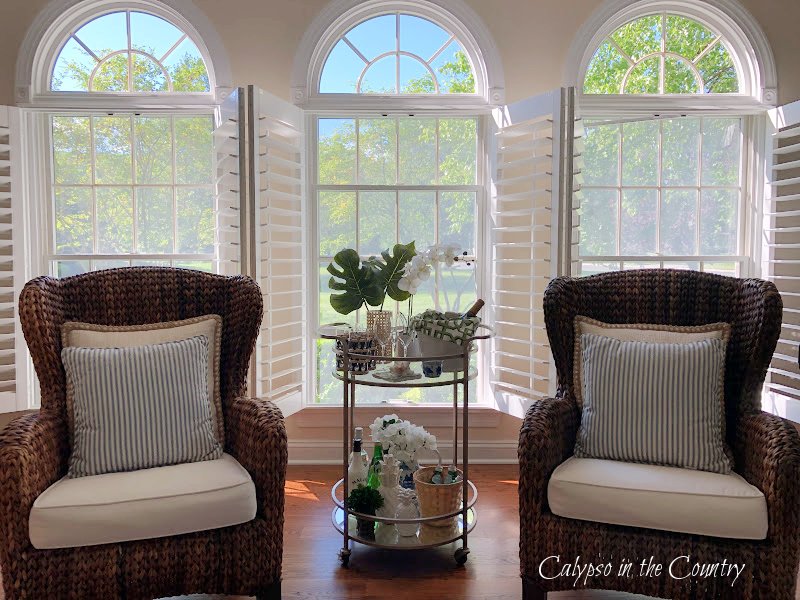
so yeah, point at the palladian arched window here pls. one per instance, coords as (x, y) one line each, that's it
(130, 183)
(129, 51)
(394, 163)
(662, 54)
(663, 174)
(398, 54)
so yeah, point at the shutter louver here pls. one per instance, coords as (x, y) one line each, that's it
(280, 266)
(524, 255)
(782, 241)
(230, 170)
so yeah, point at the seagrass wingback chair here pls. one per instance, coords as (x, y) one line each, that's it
(241, 559)
(766, 449)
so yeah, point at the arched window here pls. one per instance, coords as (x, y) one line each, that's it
(662, 54)
(398, 54)
(129, 51)
(666, 167)
(395, 163)
(127, 92)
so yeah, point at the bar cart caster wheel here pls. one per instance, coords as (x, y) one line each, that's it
(344, 557)
(461, 556)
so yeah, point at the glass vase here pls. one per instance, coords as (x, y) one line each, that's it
(379, 324)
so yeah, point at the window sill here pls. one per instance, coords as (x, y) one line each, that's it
(780, 405)
(431, 416)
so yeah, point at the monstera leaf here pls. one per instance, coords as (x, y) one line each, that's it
(359, 284)
(390, 270)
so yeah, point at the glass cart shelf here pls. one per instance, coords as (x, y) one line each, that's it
(423, 382)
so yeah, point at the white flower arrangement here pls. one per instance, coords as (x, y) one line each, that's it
(420, 267)
(402, 439)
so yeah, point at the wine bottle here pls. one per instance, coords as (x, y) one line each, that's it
(358, 435)
(357, 471)
(374, 476)
(473, 310)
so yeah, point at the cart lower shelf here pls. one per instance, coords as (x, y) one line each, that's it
(388, 536)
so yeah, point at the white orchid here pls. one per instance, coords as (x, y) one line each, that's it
(420, 267)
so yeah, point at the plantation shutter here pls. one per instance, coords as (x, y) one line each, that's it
(230, 172)
(535, 146)
(13, 354)
(782, 245)
(278, 233)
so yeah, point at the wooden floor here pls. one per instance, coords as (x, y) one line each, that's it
(311, 569)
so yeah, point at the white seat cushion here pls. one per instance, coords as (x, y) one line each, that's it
(136, 505)
(656, 497)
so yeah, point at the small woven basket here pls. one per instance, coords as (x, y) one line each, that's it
(437, 499)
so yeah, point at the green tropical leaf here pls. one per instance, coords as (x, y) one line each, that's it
(390, 270)
(359, 283)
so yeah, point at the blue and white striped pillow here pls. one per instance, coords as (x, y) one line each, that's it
(140, 407)
(653, 403)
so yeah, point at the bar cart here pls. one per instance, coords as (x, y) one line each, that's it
(428, 536)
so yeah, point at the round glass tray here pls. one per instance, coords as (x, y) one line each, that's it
(388, 535)
(443, 379)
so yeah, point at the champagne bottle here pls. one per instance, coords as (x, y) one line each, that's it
(438, 477)
(473, 310)
(452, 474)
(374, 477)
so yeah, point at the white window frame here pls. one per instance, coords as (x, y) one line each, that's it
(52, 28)
(342, 15)
(482, 244)
(755, 65)
(745, 264)
(746, 40)
(326, 30)
(48, 230)
(35, 62)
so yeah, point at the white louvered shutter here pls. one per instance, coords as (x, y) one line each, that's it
(13, 356)
(230, 172)
(279, 245)
(535, 145)
(782, 245)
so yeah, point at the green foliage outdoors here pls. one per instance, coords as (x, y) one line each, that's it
(683, 167)
(136, 197)
(187, 74)
(687, 43)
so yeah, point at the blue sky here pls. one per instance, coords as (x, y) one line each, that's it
(110, 32)
(378, 36)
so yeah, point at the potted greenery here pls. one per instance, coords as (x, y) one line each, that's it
(367, 501)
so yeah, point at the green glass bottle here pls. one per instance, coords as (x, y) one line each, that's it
(374, 477)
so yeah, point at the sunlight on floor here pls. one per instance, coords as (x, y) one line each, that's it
(298, 489)
(509, 481)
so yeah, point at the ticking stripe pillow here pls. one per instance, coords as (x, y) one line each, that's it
(653, 403)
(140, 407)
